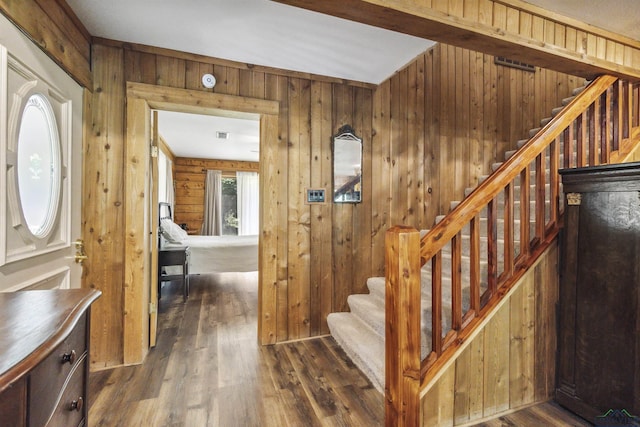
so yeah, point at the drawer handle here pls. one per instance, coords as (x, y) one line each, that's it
(76, 405)
(69, 357)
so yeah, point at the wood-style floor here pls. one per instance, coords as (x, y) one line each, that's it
(546, 414)
(208, 370)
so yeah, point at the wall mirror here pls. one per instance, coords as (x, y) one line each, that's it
(347, 166)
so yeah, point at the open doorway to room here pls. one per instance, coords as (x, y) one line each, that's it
(139, 248)
(207, 182)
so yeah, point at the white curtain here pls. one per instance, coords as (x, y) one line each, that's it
(212, 224)
(169, 190)
(248, 202)
(166, 192)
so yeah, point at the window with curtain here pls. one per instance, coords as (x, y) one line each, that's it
(248, 202)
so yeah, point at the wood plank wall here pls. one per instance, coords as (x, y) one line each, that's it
(305, 127)
(429, 131)
(441, 122)
(54, 27)
(511, 361)
(189, 177)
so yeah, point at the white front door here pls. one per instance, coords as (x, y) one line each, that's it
(40, 168)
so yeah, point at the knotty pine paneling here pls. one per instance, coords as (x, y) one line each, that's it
(429, 131)
(510, 363)
(103, 205)
(457, 112)
(54, 27)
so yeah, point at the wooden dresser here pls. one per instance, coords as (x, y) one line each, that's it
(599, 334)
(44, 357)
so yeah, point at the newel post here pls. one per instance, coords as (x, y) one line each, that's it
(402, 330)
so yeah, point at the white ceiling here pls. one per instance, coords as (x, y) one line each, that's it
(263, 32)
(194, 135)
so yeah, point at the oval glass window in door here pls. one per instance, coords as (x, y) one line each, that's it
(39, 166)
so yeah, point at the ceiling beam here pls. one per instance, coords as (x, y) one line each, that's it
(512, 29)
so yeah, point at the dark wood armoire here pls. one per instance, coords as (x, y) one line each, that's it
(599, 330)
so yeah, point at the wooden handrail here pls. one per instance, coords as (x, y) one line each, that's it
(599, 125)
(471, 206)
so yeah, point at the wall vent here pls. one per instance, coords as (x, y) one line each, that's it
(500, 60)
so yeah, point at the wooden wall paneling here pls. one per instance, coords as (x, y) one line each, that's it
(401, 143)
(429, 146)
(418, 142)
(136, 226)
(140, 67)
(529, 116)
(68, 23)
(57, 31)
(521, 350)
(438, 408)
(303, 238)
(463, 125)
(461, 392)
(546, 299)
(193, 77)
(362, 211)
(496, 366)
(227, 79)
(447, 113)
(476, 378)
(278, 90)
(103, 205)
(321, 272)
(476, 158)
(295, 212)
(414, 147)
(434, 121)
(343, 226)
(170, 71)
(380, 161)
(268, 240)
(400, 151)
(490, 111)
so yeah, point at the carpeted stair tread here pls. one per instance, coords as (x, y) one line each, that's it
(364, 347)
(370, 309)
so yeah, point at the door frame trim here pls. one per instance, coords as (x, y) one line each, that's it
(141, 99)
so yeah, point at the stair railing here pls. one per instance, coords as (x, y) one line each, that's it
(594, 128)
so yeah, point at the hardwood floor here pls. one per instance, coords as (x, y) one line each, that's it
(208, 370)
(547, 414)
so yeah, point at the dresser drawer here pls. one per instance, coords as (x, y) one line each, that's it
(48, 378)
(70, 409)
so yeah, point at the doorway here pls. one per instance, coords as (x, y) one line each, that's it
(141, 99)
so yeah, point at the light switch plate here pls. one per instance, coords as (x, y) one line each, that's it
(315, 196)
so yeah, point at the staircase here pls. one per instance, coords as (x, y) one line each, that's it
(361, 332)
